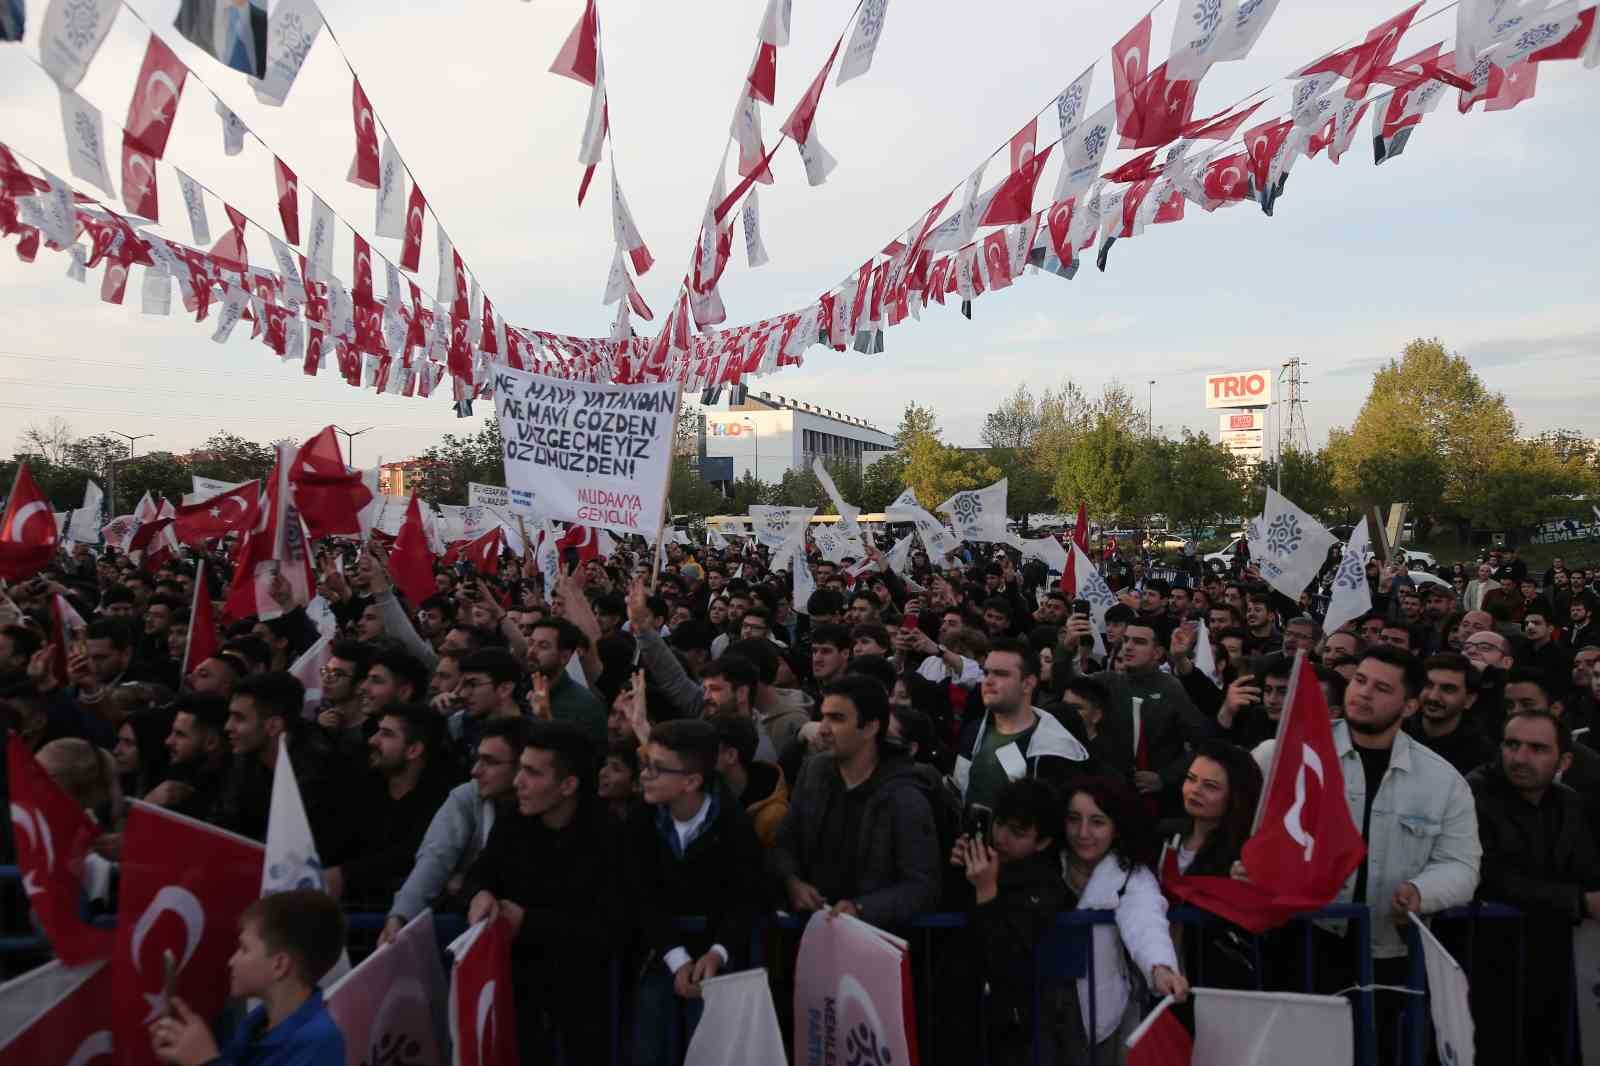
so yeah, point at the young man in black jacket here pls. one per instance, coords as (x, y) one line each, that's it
(1538, 855)
(1016, 891)
(859, 837)
(553, 870)
(690, 850)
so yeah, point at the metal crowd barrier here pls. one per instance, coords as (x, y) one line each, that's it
(1065, 954)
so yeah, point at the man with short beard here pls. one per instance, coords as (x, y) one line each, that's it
(1392, 784)
(1444, 724)
(197, 757)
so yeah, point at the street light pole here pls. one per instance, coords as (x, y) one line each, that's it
(112, 478)
(755, 443)
(350, 441)
(1150, 409)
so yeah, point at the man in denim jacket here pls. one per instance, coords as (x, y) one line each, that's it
(1417, 817)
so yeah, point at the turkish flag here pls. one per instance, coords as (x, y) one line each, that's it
(579, 55)
(411, 246)
(483, 554)
(1138, 168)
(483, 1017)
(201, 642)
(1161, 1041)
(58, 1013)
(1361, 63)
(1161, 109)
(797, 127)
(275, 547)
(184, 886)
(139, 191)
(1080, 537)
(230, 512)
(53, 836)
(114, 282)
(582, 541)
(1518, 83)
(1228, 178)
(288, 199)
(411, 563)
(1130, 59)
(763, 77)
(1219, 127)
(330, 497)
(155, 98)
(27, 529)
(1262, 143)
(230, 251)
(997, 260)
(364, 166)
(1305, 844)
(1012, 200)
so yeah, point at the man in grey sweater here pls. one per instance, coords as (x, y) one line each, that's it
(459, 830)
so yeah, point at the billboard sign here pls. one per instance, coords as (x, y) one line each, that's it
(1240, 421)
(1244, 388)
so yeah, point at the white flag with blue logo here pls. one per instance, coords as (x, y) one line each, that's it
(1447, 1000)
(1293, 546)
(1352, 597)
(979, 514)
(291, 860)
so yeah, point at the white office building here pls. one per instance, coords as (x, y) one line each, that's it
(769, 435)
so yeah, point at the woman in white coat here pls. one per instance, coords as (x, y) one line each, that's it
(1106, 867)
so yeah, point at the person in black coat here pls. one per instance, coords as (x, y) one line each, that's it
(1016, 891)
(1539, 856)
(552, 868)
(690, 851)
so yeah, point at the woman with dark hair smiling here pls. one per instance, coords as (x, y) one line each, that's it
(1220, 792)
(1106, 866)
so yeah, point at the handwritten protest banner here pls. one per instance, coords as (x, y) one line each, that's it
(481, 495)
(596, 455)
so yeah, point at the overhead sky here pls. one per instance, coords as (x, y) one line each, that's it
(1483, 233)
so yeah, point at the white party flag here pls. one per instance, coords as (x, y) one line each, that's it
(155, 294)
(194, 202)
(979, 514)
(804, 585)
(899, 557)
(1205, 660)
(857, 58)
(84, 526)
(71, 34)
(1271, 1028)
(391, 220)
(319, 241)
(308, 671)
(775, 527)
(1586, 960)
(1447, 999)
(1352, 596)
(716, 540)
(848, 514)
(1200, 31)
(291, 859)
(1293, 546)
(755, 250)
(1242, 28)
(775, 23)
(86, 141)
(1047, 550)
(739, 1026)
(1084, 149)
(291, 31)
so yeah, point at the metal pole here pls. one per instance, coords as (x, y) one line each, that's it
(755, 443)
(350, 441)
(132, 438)
(1150, 409)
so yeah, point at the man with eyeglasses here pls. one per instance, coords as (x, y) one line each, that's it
(487, 692)
(342, 717)
(461, 827)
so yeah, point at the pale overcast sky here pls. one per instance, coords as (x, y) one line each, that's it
(1483, 233)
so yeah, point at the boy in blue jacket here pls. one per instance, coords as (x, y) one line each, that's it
(287, 943)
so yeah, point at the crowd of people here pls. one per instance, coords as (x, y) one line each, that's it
(637, 747)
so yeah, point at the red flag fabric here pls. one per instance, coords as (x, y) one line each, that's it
(1161, 109)
(483, 1021)
(1013, 198)
(1080, 537)
(411, 247)
(1364, 60)
(27, 529)
(139, 190)
(1221, 126)
(155, 98)
(582, 540)
(579, 54)
(1024, 145)
(483, 554)
(797, 127)
(364, 167)
(1059, 219)
(1130, 59)
(1227, 178)
(330, 497)
(58, 1013)
(53, 836)
(1517, 83)
(1161, 1041)
(1262, 143)
(233, 511)
(763, 77)
(288, 199)
(184, 886)
(411, 563)
(1305, 843)
(201, 642)
(275, 547)
(1569, 47)
(997, 260)
(1140, 167)
(230, 250)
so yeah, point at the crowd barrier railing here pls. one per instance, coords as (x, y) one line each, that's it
(1066, 953)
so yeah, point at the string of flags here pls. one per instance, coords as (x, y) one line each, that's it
(971, 241)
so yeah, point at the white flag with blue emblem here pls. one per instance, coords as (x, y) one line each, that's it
(979, 514)
(805, 586)
(291, 860)
(1293, 546)
(1201, 30)
(1447, 1000)
(1352, 597)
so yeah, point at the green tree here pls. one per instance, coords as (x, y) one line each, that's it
(881, 483)
(690, 494)
(229, 457)
(1308, 480)
(1203, 483)
(1098, 447)
(158, 473)
(96, 453)
(1426, 407)
(448, 467)
(1524, 485)
(748, 491)
(1012, 432)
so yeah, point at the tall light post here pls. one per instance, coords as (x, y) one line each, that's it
(350, 441)
(755, 444)
(112, 476)
(1150, 409)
